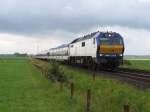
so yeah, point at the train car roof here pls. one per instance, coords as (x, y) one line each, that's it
(61, 46)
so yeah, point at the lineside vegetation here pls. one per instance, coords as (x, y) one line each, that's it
(107, 94)
(137, 64)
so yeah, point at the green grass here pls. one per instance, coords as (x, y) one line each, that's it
(108, 95)
(137, 57)
(137, 64)
(24, 89)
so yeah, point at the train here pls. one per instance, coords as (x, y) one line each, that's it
(99, 48)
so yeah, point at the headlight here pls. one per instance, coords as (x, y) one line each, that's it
(101, 54)
(120, 55)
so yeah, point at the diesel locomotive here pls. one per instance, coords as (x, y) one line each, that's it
(99, 48)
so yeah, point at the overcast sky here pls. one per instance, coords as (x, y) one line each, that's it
(33, 25)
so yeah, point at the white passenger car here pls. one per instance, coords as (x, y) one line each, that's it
(59, 53)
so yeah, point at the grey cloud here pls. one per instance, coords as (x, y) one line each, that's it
(31, 17)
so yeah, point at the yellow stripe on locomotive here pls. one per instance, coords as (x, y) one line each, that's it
(111, 49)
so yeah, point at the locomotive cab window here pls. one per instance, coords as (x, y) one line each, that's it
(111, 41)
(83, 44)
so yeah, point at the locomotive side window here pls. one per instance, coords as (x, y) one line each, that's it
(83, 44)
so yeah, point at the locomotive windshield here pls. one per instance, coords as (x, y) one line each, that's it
(111, 41)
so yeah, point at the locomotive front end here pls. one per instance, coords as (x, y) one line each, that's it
(110, 49)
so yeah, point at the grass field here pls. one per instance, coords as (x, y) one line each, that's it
(137, 64)
(24, 89)
(131, 57)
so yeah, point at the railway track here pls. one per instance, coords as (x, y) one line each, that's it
(138, 78)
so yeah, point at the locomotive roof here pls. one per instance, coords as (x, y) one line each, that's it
(84, 37)
(103, 34)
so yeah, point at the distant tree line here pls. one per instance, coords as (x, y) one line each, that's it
(20, 54)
